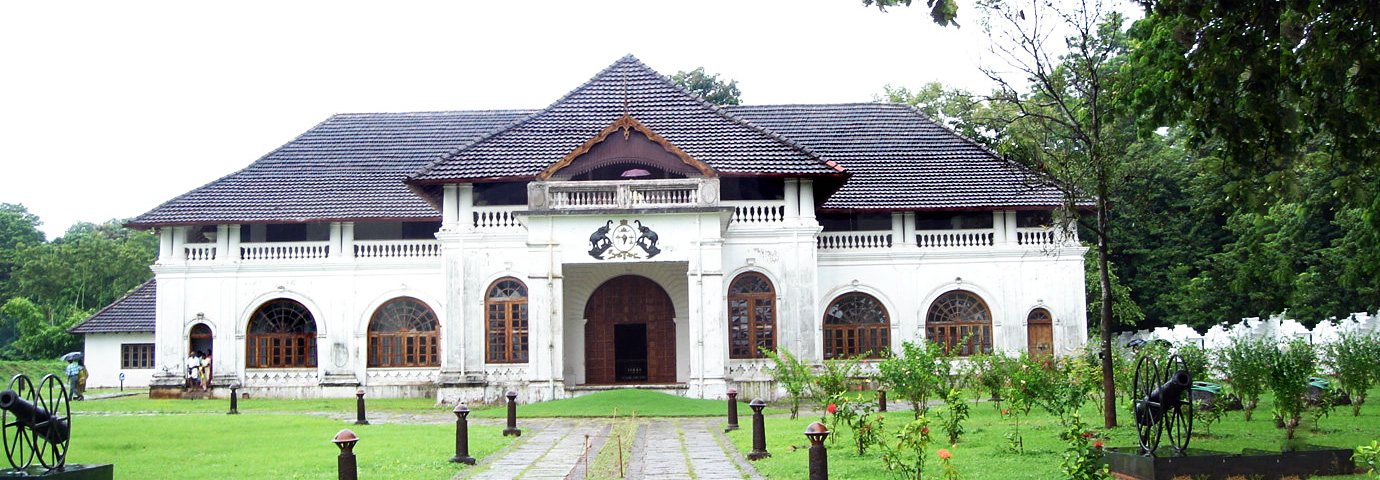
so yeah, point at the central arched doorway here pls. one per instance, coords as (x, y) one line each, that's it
(630, 334)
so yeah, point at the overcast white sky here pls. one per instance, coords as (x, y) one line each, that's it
(109, 108)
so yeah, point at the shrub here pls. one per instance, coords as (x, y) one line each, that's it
(1288, 379)
(1353, 359)
(1246, 363)
(792, 375)
(915, 374)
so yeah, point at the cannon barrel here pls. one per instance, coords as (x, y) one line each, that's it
(1151, 409)
(35, 418)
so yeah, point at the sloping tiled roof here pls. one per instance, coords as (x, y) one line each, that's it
(701, 130)
(349, 167)
(131, 313)
(901, 159)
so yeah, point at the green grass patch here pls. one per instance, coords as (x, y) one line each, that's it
(618, 403)
(268, 446)
(35, 369)
(983, 451)
(141, 403)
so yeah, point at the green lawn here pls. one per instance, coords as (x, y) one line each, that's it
(291, 438)
(982, 452)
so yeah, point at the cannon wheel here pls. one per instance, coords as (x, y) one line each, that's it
(1142, 385)
(19, 441)
(1178, 418)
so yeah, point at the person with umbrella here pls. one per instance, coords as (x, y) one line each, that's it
(74, 373)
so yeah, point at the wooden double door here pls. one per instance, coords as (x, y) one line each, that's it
(630, 334)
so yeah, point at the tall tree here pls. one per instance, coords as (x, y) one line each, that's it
(709, 86)
(87, 268)
(1258, 81)
(18, 229)
(1070, 128)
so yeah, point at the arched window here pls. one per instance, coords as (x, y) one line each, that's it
(960, 322)
(282, 334)
(751, 316)
(506, 313)
(856, 324)
(402, 333)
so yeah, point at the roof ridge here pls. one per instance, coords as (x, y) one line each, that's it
(456, 151)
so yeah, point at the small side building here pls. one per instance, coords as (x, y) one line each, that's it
(119, 340)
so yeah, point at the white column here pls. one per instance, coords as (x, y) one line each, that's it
(232, 243)
(792, 201)
(450, 214)
(347, 240)
(222, 243)
(334, 247)
(465, 207)
(179, 242)
(807, 199)
(907, 229)
(165, 244)
(898, 230)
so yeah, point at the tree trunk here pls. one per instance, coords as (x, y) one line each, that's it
(1104, 279)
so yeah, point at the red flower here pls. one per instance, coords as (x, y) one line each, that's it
(1097, 444)
(944, 454)
(1005, 411)
(833, 407)
(925, 430)
(1087, 434)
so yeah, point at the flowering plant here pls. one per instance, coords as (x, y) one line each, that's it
(946, 467)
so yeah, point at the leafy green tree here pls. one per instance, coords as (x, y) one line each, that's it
(18, 229)
(943, 12)
(39, 337)
(709, 86)
(1258, 81)
(87, 268)
(1071, 127)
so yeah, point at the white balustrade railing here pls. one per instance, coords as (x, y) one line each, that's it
(1038, 236)
(853, 240)
(284, 251)
(678, 192)
(201, 252)
(954, 238)
(397, 248)
(497, 218)
(752, 213)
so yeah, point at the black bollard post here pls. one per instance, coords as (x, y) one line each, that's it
(359, 408)
(345, 464)
(512, 430)
(234, 400)
(881, 400)
(732, 410)
(462, 435)
(819, 455)
(759, 431)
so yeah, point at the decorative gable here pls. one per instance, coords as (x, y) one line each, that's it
(626, 149)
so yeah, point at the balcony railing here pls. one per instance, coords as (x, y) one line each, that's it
(284, 251)
(497, 218)
(679, 192)
(853, 240)
(1040, 236)
(397, 248)
(954, 238)
(757, 212)
(200, 252)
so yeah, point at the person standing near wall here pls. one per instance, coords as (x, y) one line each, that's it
(73, 371)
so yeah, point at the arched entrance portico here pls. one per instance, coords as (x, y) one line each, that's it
(630, 334)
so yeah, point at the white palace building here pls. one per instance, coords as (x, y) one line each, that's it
(628, 235)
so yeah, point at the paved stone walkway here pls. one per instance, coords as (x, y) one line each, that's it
(665, 449)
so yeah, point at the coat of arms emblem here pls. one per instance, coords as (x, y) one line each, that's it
(623, 241)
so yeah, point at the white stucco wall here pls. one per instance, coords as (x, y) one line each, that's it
(103, 360)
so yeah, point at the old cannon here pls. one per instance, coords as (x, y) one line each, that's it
(36, 422)
(1161, 406)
